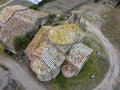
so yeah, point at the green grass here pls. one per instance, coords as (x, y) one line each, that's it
(97, 65)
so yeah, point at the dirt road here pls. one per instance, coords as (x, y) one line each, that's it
(112, 75)
(9, 1)
(21, 75)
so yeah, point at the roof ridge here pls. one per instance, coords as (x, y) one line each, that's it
(9, 11)
(14, 14)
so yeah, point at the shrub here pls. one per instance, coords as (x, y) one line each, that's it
(34, 7)
(52, 16)
(60, 18)
(20, 43)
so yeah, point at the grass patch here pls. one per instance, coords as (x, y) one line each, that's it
(97, 65)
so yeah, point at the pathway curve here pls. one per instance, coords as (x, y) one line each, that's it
(20, 74)
(112, 75)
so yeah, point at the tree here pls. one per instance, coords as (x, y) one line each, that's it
(20, 43)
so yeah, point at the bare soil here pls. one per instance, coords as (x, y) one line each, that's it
(3, 1)
(20, 74)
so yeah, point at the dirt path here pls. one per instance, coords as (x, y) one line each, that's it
(112, 75)
(21, 75)
(6, 3)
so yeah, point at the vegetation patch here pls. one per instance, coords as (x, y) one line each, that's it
(52, 16)
(60, 18)
(97, 64)
(20, 43)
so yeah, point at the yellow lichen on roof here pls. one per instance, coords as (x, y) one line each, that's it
(64, 34)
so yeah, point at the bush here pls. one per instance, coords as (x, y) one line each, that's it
(34, 7)
(52, 16)
(20, 43)
(61, 18)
